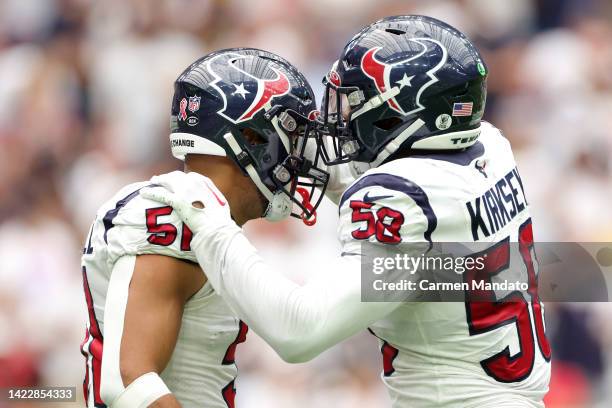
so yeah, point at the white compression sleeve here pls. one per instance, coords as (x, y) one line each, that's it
(299, 322)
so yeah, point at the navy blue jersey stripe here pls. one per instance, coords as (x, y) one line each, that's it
(112, 214)
(401, 185)
(462, 158)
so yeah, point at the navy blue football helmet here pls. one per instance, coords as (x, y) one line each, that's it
(256, 108)
(402, 83)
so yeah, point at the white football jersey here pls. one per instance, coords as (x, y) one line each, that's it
(202, 370)
(443, 354)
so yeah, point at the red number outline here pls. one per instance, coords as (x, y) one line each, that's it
(485, 316)
(359, 216)
(229, 391)
(525, 247)
(397, 220)
(186, 236)
(165, 234)
(375, 224)
(161, 234)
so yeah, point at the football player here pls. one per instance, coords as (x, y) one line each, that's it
(158, 335)
(403, 108)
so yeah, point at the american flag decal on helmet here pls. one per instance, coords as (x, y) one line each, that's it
(463, 109)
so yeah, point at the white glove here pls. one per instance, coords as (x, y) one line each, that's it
(181, 190)
(212, 226)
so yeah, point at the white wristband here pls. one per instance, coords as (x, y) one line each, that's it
(142, 392)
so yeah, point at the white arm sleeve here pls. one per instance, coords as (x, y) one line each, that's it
(299, 322)
(111, 384)
(147, 388)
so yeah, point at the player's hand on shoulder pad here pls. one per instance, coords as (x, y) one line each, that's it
(194, 197)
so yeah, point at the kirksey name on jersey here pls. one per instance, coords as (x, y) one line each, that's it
(470, 354)
(202, 368)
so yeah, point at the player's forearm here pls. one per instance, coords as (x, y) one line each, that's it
(167, 401)
(299, 322)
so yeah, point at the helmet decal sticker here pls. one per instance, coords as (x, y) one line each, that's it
(182, 106)
(463, 109)
(481, 68)
(240, 90)
(194, 103)
(444, 121)
(333, 75)
(404, 74)
(334, 78)
(246, 99)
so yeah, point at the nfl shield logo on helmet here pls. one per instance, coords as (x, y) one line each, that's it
(194, 103)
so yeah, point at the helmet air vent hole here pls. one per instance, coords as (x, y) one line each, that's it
(253, 137)
(388, 124)
(395, 31)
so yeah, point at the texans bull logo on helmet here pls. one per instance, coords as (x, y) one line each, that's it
(247, 93)
(405, 74)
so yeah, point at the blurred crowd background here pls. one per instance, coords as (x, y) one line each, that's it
(85, 91)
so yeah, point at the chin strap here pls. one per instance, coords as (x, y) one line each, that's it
(376, 101)
(395, 144)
